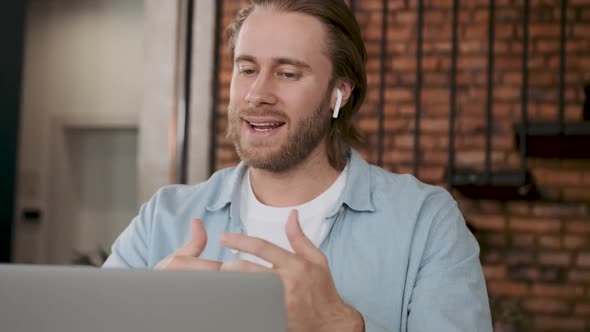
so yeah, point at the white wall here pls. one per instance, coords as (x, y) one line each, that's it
(83, 66)
(108, 65)
(163, 85)
(103, 164)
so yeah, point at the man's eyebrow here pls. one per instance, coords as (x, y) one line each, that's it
(293, 62)
(244, 57)
(276, 60)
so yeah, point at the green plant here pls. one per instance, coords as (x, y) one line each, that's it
(507, 315)
(96, 258)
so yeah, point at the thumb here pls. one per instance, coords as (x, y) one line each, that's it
(301, 244)
(195, 246)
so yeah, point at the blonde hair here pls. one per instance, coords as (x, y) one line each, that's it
(347, 53)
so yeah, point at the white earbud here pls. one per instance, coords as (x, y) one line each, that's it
(338, 103)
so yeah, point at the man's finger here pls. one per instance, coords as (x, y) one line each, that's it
(301, 244)
(257, 247)
(243, 266)
(195, 246)
(189, 264)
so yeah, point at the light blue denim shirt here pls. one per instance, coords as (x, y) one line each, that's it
(399, 250)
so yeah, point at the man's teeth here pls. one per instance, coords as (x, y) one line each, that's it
(265, 126)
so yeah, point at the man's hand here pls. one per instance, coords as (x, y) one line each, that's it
(186, 258)
(311, 299)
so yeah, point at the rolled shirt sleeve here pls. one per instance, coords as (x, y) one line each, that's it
(450, 291)
(131, 248)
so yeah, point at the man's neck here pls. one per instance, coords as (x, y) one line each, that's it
(296, 186)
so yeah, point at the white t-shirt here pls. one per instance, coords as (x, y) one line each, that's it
(268, 222)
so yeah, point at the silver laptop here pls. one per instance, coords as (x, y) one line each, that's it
(65, 299)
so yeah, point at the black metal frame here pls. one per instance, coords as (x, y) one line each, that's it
(555, 139)
(383, 68)
(188, 64)
(12, 33)
(490, 89)
(499, 185)
(524, 88)
(215, 88)
(562, 55)
(418, 85)
(453, 94)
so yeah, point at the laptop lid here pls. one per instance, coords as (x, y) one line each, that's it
(45, 298)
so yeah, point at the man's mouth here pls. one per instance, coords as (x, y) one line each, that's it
(265, 126)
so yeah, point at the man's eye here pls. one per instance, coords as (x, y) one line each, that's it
(247, 71)
(290, 76)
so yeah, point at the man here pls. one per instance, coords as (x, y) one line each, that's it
(357, 248)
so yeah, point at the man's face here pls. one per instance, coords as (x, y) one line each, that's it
(279, 103)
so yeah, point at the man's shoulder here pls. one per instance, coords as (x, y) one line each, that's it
(395, 183)
(203, 194)
(408, 193)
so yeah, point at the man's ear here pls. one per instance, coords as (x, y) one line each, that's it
(346, 87)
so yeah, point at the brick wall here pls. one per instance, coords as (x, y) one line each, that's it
(538, 252)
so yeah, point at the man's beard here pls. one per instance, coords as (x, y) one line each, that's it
(303, 138)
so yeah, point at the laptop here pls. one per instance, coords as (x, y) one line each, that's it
(65, 299)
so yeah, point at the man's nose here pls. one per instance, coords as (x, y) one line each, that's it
(262, 92)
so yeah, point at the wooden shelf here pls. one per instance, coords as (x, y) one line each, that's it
(502, 186)
(554, 140)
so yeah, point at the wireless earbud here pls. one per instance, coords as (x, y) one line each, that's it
(338, 103)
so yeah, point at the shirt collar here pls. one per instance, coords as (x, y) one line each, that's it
(230, 189)
(357, 193)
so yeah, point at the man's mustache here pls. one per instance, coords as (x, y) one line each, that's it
(261, 112)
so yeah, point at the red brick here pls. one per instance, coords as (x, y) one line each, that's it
(555, 258)
(583, 309)
(488, 222)
(558, 291)
(494, 271)
(559, 210)
(405, 17)
(433, 125)
(398, 95)
(506, 93)
(522, 240)
(582, 276)
(575, 241)
(439, 4)
(544, 30)
(496, 239)
(399, 156)
(431, 174)
(435, 157)
(515, 257)
(550, 241)
(557, 177)
(472, 62)
(535, 225)
(547, 46)
(578, 226)
(576, 194)
(551, 323)
(475, 33)
(507, 288)
(519, 208)
(583, 259)
(581, 31)
(406, 63)
(546, 305)
(476, 159)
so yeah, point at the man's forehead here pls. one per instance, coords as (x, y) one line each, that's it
(267, 35)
